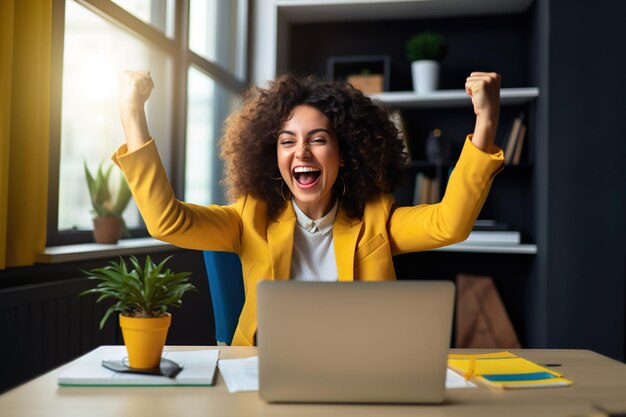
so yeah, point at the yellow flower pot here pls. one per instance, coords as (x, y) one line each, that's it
(144, 339)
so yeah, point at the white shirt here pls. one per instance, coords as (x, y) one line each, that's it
(313, 257)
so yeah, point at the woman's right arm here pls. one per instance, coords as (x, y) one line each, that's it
(182, 224)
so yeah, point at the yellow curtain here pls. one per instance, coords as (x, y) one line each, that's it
(25, 45)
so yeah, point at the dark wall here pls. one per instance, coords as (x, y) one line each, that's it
(46, 324)
(586, 132)
(502, 39)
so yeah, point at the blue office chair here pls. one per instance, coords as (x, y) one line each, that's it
(227, 293)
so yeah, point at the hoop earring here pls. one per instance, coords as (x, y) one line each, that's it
(282, 185)
(282, 193)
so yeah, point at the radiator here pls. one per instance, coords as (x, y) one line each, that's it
(45, 325)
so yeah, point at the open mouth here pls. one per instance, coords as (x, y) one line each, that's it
(306, 175)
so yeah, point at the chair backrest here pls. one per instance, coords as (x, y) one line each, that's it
(227, 293)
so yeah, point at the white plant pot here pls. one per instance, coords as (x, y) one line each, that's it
(425, 76)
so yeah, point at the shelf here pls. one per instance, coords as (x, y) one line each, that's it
(309, 11)
(452, 98)
(87, 251)
(523, 249)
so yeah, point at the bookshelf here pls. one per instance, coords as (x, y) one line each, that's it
(446, 99)
(306, 33)
(530, 43)
(452, 98)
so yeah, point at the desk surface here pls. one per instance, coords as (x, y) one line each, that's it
(598, 380)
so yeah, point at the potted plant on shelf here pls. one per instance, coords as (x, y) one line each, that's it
(142, 296)
(425, 51)
(108, 221)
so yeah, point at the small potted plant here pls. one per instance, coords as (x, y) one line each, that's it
(108, 221)
(425, 51)
(142, 295)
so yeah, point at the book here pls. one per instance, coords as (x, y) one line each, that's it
(489, 224)
(198, 369)
(518, 146)
(509, 150)
(491, 237)
(422, 189)
(417, 190)
(505, 370)
(434, 196)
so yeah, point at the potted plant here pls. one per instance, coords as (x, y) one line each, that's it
(108, 221)
(142, 296)
(425, 51)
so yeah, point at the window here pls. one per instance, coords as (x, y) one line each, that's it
(198, 75)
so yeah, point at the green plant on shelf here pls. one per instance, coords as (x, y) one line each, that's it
(426, 46)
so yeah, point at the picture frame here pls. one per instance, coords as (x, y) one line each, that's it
(368, 73)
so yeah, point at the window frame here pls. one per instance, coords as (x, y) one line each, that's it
(182, 59)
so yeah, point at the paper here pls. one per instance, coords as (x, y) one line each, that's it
(198, 369)
(454, 380)
(240, 374)
(243, 375)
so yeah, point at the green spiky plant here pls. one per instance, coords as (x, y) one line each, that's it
(426, 45)
(101, 196)
(139, 291)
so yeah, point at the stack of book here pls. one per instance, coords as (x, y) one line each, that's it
(493, 237)
(492, 232)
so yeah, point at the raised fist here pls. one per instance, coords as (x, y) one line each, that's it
(134, 89)
(484, 89)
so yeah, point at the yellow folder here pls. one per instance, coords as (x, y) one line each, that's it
(505, 370)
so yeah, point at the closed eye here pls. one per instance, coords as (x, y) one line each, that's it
(319, 140)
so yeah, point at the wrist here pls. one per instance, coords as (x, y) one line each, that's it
(487, 120)
(484, 133)
(131, 110)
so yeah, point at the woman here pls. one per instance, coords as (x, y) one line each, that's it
(310, 166)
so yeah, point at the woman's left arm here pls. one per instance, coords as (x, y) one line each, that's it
(428, 226)
(484, 89)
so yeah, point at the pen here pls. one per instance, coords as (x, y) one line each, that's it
(470, 370)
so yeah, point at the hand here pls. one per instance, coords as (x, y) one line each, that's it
(134, 89)
(484, 89)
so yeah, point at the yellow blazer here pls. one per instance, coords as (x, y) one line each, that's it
(363, 247)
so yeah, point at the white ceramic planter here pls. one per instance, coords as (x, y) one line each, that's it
(425, 76)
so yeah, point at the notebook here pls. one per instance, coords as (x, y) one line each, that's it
(506, 370)
(354, 342)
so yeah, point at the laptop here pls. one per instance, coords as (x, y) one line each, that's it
(354, 342)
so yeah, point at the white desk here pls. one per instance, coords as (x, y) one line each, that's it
(597, 380)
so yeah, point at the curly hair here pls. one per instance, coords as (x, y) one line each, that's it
(368, 142)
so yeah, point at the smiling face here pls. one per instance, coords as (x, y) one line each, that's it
(308, 159)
